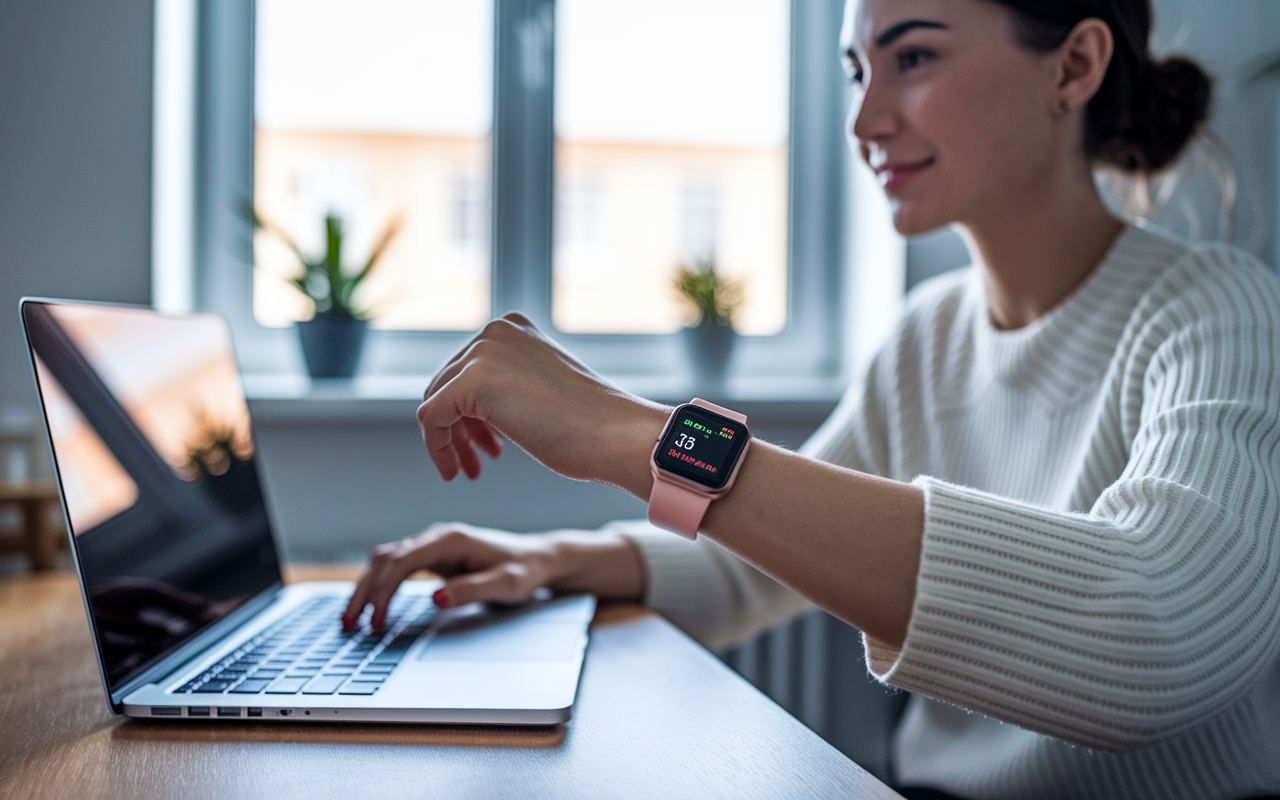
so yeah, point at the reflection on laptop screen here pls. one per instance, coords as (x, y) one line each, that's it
(155, 457)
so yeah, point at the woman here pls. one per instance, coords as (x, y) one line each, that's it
(1054, 498)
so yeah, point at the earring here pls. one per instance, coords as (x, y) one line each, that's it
(1063, 107)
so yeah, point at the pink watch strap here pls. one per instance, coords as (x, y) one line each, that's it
(721, 410)
(676, 508)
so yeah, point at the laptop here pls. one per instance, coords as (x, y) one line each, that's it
(178, 564)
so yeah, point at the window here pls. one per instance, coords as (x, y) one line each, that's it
(540, 177)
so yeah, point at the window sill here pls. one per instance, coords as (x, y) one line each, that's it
(295, 400)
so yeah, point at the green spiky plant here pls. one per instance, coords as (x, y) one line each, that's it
(323, 279)
(215, 446)
(712, 296)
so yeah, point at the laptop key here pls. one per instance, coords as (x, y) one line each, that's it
(325, 684)
(213, 687)
(360, 688)
(251, 686)
(286, 686)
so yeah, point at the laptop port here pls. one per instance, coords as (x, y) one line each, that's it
(255, 712)
(284, 712)
(162, 711)
(197, 711)
(228, 712)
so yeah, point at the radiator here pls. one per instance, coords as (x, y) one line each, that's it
(814, 668)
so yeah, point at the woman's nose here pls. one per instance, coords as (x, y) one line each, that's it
(873, 117)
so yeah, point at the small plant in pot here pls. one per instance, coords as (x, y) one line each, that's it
(333, 339)
(712, 301)
(220, 459)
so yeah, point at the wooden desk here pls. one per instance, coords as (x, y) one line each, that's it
(656, 716)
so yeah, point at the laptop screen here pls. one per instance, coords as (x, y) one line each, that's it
(156, 460)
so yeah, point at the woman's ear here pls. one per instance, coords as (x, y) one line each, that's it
(1083, 58)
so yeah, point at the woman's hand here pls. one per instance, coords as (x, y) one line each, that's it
(481, 564)
(513, 380)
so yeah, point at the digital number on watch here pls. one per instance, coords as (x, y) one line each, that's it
(701, 445)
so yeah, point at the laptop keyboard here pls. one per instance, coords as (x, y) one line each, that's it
(307, 652)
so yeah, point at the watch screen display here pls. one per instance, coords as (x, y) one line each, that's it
(702, 446)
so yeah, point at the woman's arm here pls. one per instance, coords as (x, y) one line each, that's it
(846, 541)
(700, 586)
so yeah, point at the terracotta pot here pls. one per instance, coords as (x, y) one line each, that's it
(331, 344)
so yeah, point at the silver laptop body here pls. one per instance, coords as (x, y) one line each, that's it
(179, 569)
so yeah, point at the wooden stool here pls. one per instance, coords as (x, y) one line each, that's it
(39, 540)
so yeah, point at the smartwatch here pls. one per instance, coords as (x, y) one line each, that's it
(694, 462)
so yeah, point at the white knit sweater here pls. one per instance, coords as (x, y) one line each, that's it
(1101, 552)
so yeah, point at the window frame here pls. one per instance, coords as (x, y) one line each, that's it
(522, 177)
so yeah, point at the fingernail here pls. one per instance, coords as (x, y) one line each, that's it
(441, 597)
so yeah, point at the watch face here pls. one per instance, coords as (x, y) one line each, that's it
(702, 446)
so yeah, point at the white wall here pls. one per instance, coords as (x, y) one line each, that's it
(1225, 38)
(75, 163)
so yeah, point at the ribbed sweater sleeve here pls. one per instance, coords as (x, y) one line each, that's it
(706, 591)
(1160, 606)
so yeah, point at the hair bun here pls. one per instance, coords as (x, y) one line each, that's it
(1166, 111)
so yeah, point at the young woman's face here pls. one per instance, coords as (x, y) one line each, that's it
(954, 115)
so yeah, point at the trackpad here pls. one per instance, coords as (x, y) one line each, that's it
(540, 632)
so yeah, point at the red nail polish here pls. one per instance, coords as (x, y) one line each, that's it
(441, 597)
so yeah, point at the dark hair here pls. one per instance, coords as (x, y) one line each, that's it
(1146, 111)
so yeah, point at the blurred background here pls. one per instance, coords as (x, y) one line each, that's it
(560, 158)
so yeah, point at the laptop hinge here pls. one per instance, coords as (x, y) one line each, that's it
(207, 640)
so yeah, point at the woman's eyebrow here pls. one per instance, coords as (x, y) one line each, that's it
(894, 31)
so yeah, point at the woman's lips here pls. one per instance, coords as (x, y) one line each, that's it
(892, 176)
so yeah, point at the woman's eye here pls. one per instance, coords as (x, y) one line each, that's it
(912, 57)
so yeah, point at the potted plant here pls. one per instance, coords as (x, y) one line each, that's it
(220, 459)
(333, 339)
(712, 301)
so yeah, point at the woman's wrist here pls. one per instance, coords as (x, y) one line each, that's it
(627, 445)
(602, 563)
